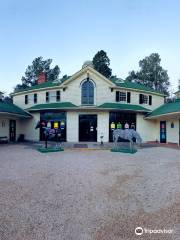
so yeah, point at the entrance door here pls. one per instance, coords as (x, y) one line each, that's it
(163, 131)
(88, 128)
(12, 130)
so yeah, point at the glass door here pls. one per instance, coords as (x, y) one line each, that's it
(162, 131)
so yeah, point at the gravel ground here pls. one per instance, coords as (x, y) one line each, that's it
(88, 195)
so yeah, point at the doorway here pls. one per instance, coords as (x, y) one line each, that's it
(12, 130)
(162, 131)
(88, 128)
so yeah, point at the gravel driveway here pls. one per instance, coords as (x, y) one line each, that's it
(88, 195)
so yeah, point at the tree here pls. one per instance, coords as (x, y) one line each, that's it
(32, 72)
(7, 99)
(151, 74)
(179, 84)
(101, 63)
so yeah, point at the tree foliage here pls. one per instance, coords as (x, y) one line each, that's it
(101, 63)
(32, 72)
(151, 74)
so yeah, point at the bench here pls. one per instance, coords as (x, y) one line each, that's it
(4, 139)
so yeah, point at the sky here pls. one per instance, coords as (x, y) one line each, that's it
(71, 32)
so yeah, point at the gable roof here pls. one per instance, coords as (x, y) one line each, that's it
(165, 109)
(88, 69)
(10, 108)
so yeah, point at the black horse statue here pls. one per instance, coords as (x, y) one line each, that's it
(49, 133)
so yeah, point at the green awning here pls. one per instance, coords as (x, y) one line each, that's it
(60, 105)
(124, 107)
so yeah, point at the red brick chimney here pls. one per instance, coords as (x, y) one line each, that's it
(41, 78)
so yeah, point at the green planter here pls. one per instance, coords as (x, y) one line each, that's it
(49, 149)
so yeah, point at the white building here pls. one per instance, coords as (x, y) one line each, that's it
(87, 106)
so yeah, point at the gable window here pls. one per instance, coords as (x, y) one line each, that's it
(26, 99)
(123, 96)
(35, 97)
(144, 99)
(87, 92)
(58, 97)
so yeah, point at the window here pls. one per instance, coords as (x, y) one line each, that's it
(47, 96)
(143, 99)
(53, 96)
(58, 96)
(87, 92)
(150, 100)
(122, 96)
(26, 99)
(35, 98)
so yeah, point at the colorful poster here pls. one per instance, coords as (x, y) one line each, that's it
(62, 125)
(56, 125)
(112, 126)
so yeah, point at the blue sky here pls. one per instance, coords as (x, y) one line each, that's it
(71, 32)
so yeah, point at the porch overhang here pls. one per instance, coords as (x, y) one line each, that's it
(11, 110)
(102, 107)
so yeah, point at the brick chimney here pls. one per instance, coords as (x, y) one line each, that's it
(41, 78)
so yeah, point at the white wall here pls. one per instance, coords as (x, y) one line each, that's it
(28, 127)
(103, 126)
(72, 128)
(172, 133)
(4, 129)
(148, 129)
(73, 125)
(4, 126)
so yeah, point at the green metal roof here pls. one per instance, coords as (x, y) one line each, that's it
(60, 105)
(131, 85)
(13, 109)
(167, 108)
(39, 86)
(48, 84)
(119, 106)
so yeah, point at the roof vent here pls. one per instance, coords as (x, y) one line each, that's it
(87, 63)
(119, 80)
